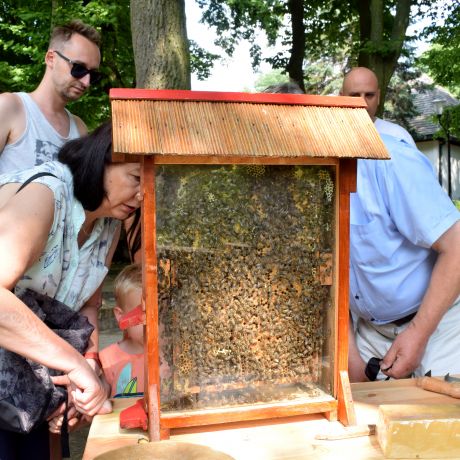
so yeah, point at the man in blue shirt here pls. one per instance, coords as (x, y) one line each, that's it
(404, 269)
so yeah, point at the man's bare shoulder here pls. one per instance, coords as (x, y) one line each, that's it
(82, 129)
(12, 118)
(10, 104)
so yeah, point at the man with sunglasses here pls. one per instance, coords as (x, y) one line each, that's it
(33, 126)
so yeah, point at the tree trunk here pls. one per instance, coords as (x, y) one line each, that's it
(161, 49)
(377, 52)
(295, 65)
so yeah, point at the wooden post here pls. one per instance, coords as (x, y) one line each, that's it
(150, 295)
(347, 185)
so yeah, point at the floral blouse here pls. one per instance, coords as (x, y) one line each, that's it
(64, 271)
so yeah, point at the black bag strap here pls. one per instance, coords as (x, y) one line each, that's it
(65, 445)
(32, 178)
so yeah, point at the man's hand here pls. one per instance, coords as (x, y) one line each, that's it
(405, 354)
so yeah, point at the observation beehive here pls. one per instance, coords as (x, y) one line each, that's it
(245, 232)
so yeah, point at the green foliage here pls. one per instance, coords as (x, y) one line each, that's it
(330, 27)
(274, 77)
(324, 76)
(449, 122)
(399, 101)
(321, 77)
(457, 204)
(442, 60)
(201, 61)
(241, 20)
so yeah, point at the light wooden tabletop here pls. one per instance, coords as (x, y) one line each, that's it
(293, 439)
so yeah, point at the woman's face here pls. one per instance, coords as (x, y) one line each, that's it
(122, 185)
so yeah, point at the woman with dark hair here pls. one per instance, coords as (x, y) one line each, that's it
(57, 237)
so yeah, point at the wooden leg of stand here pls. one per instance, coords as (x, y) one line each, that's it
(55, 447)
(153, 414)
(347, 414)
(331, 415)
(164, 434)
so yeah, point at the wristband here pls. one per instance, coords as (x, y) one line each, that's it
(93, 355)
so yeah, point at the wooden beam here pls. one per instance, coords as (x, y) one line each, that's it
(150, 295)
(347, 185)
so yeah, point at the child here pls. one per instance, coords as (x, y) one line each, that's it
(123, 362)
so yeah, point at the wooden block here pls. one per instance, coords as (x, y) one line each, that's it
(419, 430)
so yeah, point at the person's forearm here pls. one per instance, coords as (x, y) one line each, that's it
(22, 332)
(91, 311)
(444, 286)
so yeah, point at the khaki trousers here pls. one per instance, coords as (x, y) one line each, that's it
(442, 354)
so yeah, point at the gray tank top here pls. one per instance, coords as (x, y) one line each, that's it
(39, 143)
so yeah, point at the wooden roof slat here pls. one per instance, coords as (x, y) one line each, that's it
(189, 126)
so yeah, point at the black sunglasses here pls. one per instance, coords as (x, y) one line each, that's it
(79, 70)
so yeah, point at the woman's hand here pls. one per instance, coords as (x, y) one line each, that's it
(88, 393)
(75, 419)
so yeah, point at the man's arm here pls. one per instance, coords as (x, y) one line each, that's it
(408, 348)
(12, 121)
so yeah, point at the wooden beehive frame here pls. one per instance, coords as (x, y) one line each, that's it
(334, 407)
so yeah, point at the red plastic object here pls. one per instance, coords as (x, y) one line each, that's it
(132, 318)
(134, 416)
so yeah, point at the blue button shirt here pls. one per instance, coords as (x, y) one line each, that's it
(397, 213)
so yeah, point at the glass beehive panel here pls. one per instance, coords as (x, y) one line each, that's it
(245, 266)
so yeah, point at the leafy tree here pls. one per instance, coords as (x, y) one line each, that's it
(273, 77)
(373, 32)
(201, 61)
(442, 63)
(399, 104)
(442, 60)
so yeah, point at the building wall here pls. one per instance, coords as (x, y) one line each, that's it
(432, 149)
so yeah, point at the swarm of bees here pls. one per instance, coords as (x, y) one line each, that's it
(245, 283)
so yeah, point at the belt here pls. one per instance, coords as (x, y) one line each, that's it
(406, 319)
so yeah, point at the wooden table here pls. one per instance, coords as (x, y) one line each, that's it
(291, 440)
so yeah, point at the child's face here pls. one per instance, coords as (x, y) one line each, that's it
(126, 303)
